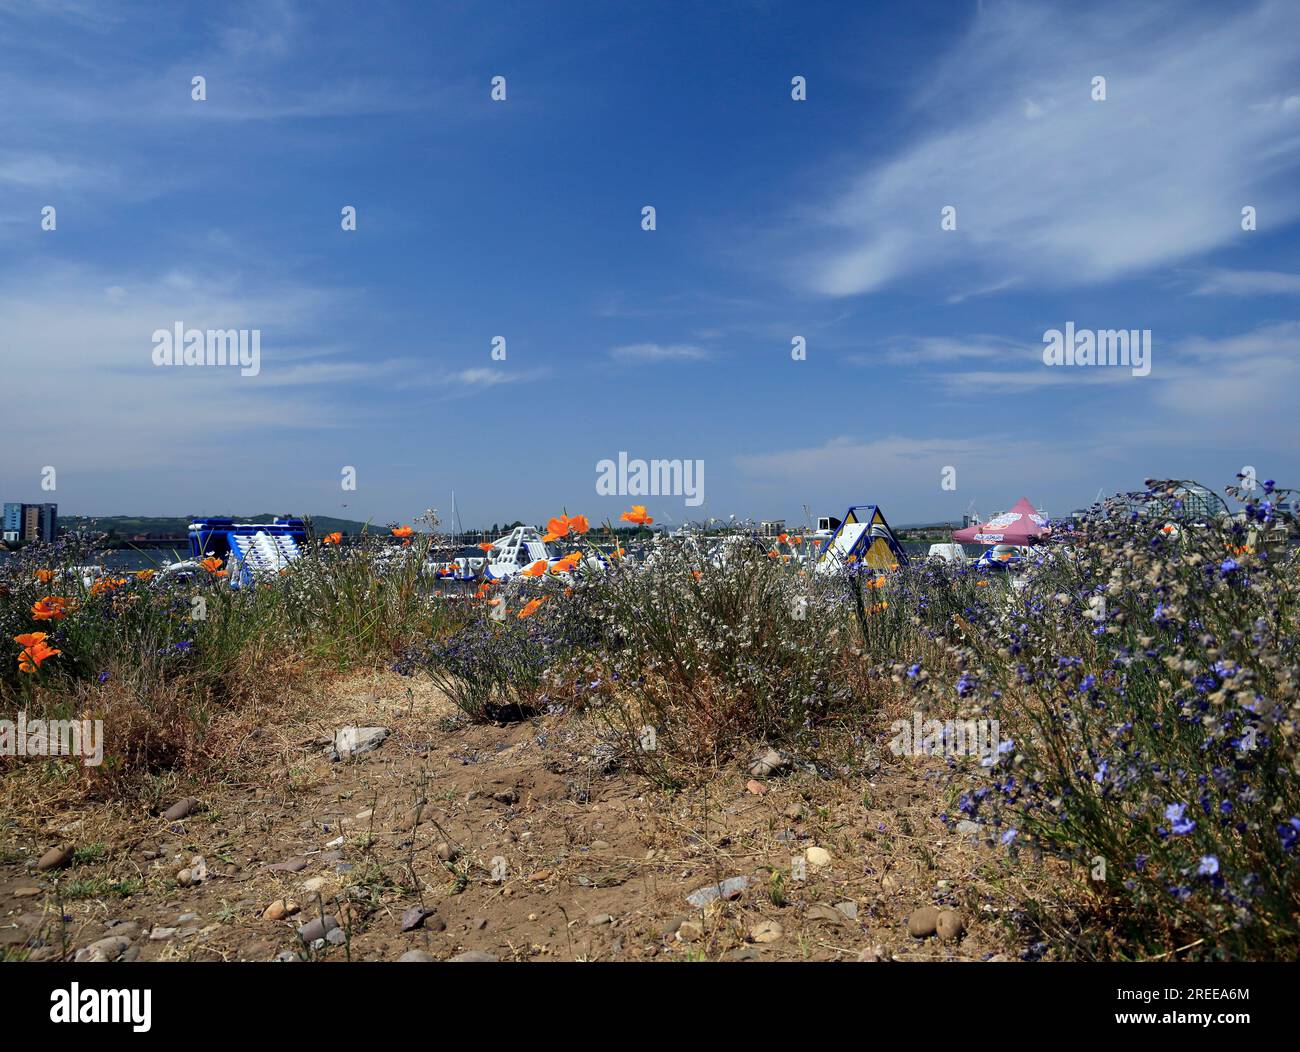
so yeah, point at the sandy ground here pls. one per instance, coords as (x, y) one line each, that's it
(517, 843)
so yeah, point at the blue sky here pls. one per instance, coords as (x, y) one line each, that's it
(522, 219)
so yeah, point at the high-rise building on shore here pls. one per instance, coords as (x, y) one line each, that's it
(49, 522)
(12, 523)
(29, 522)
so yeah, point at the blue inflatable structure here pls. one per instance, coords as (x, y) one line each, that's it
(249, 549)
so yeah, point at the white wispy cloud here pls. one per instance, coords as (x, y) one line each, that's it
(80, 386)
(259, 61)
(1219, 378)
(1245, 383)
(1241, 384)
(1224, 282)
(1052, 187)
(659, 352)
(493, 377)
(855, 469)
(944, 350)
(985, 290)
(42, 170)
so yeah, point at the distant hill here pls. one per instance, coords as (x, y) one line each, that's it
(131, 525)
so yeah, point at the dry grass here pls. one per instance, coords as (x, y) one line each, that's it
(579, 841)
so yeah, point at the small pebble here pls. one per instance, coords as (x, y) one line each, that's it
(417, 955)
(922, 922)
(181, 809)
(950, 924)
(55, 858)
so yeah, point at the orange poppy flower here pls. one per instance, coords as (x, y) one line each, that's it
(637, 516)
(981, 584)
(51, 608)
(798, 540)
(35, 652)
(536, 570)
(144, 575)
(548, 537)
(529, 609)
(211, 564)
(566, 564)
(45, 576)
(30, 639)
(696, 574)
(782, 537)
(494, 602)
(579, 524)
(402, 531)
(558, 526)
(487, 546)
(332, 538)
(106, 584)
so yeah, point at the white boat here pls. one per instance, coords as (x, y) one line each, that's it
(509, 555)
(516, 551)
(949, 553)
(87, 574)
(728, 548)
(180, 570)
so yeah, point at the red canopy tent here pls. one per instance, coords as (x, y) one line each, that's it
(1021, 525)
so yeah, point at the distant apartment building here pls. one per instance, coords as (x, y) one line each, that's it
(49, 522)
(772, 527)
(12, 524)
(30, 522)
